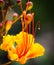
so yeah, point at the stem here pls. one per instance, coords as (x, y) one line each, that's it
(22, 24)
(17, 18)
(2, 16)
(33, 26)
(7, 63)
(37, 26)
(4, 12)
(30, 28)
(21, 7)
(6, 33)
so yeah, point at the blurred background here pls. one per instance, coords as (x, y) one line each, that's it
(44, 11)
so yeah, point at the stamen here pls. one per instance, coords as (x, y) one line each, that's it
(33, 26)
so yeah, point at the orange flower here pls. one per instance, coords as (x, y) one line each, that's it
(25, 48)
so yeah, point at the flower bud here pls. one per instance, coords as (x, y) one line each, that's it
(19, 2)
(0, 25)
(8, 25)
(28, 18)
(24, 13)
(1, 2)
(15, 15)
(29, 5)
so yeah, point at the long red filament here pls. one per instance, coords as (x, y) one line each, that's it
(33, 26)
(26, 40)
(23, 37)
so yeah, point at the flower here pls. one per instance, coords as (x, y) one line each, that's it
(25, 48)
(19, 47)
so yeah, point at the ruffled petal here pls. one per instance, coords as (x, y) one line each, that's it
(35, 51)
(12, 56)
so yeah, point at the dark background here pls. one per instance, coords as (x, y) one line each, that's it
(44, 11)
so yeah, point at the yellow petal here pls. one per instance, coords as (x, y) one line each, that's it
(8, 41)
(12, 56)
(35, 51)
